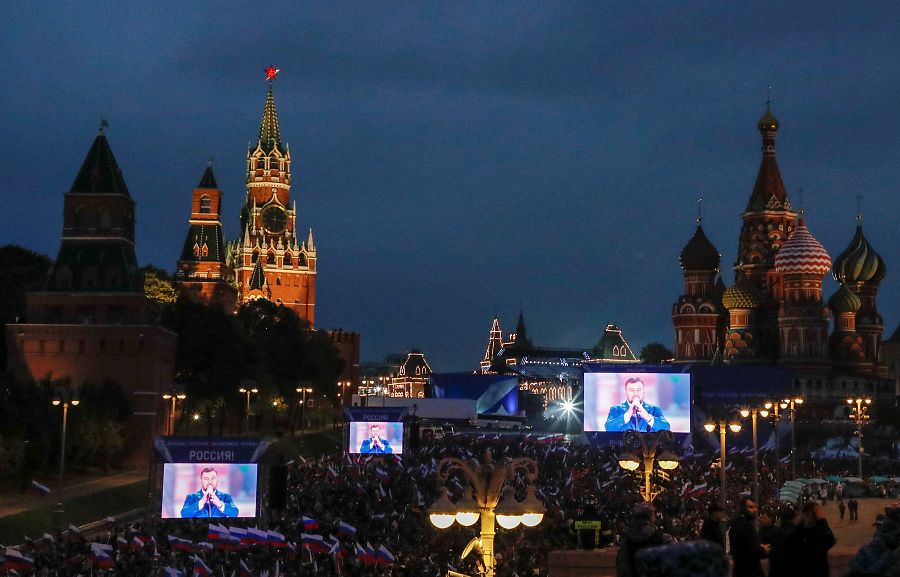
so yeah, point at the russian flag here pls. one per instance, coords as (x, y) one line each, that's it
(39, 488)
(310, 524)
(137, 544)
(204, 546)
(228, 543)
(275, 539)
(217, 531)
(313, 542)
(101, 555)
(201, 568)
(386, 555)
(256, 536)
(371, 556)
(346, 530)
(74, 534)
(179, 544)
(16, 561)
(121, 543)
(245, 571)
(360, 552)
(241, 534)
(171, 572)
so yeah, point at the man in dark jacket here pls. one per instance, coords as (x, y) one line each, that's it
(746, 549)
(782, 557)
(812, 539)
(640, 533)
(712, 529)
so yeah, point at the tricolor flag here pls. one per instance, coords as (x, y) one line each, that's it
(201, 568)
(245, 571)
(371, 555)
(121, 543)
(179, 544)
(256, 536)
(310, 524)
(313, 542)
(698, 490)
(48, 537)
(241, 534)
(216, 531)
(74, 534)
(346, 530)
(275, 539)
(360, 552)
(101, 556)
(171, 572)
(204, 546)
(16, 561)
(39, 488)
(136, 543)
(386, 555)
(228, 543)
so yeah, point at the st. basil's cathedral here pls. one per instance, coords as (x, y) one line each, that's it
(774, 313)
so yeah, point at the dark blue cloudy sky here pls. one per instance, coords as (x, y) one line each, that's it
(461, 159)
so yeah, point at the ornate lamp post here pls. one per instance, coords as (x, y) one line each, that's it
(65, 398)
(173, 396)
(303, 391)
(248, 390)
(492, 502)
(792, 403)
(861, 415)
(649, 443)
(753, 413)
(735, 428)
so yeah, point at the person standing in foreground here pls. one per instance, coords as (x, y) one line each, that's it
(810, 543)
(746, 549)
(712, 529)
(640, 533)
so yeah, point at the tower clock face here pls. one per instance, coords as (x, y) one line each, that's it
(274, 219)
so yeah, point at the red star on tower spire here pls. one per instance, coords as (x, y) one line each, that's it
(271, 71)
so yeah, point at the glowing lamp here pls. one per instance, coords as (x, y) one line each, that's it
(849, 401)
(629, 461)
(745, 413)
(509, 511)
(467, 510)
(534, 509)
(442, 513)
(56, 402)
(783, 405)
(667, 460)
(710, 427)
(735, 427)
(75, 402)
(769, 405)
(764, 413)
(798, 401)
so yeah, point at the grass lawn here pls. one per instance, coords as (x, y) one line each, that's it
(79, 510)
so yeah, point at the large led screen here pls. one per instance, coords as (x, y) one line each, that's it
(371, 437)
(207, 490)
(617, 402)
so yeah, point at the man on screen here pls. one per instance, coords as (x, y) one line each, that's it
(375, 444)
(634, 414)
(209, 502)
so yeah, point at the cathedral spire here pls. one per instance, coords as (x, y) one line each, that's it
(768, 192)
(269, 132)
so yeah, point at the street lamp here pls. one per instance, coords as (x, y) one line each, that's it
(791, 404)
(735, 427)
(173, 396)
(485, 497)
(649, 443)
(861, 414)
(248, 390)
(753, 412)
(65, 398)
(303, 391)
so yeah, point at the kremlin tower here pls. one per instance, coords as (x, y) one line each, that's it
(270, 260)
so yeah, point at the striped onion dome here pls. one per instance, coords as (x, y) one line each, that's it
(802, 254)
(859, 262)
(844, 301)
(741, 295)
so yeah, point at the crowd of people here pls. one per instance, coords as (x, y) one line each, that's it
(366, 516)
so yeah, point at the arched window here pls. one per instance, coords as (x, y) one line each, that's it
(205, 204)
(196, 250)
(278, 281)
(270, 258)
(301, 260)
(255, 256)
(261, 163)
(288, 259)
(204, 250)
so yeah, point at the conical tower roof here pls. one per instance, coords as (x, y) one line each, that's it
(699, 253)
(859, 262)
(495, 341)
(258, 277)
(100, 172)
(208, 180)
(269, 131)
(802, 254)
(768, 191)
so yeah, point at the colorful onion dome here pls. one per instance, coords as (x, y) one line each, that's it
(859, 262)
(699, 253)
(802, 254)
(767, 122)
(741, 295)
(844, 301)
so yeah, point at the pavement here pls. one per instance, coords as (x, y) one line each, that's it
(14, 503)
(852, 535)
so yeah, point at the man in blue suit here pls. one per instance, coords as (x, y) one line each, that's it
(208, 502)
(634, 414)
(375, 444)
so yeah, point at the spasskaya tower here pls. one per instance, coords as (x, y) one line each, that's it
(270, 260)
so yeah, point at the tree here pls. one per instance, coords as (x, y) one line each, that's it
(21, 271)
(158, 286)
(656, 354)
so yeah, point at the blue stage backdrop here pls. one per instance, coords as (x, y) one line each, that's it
(494, 394)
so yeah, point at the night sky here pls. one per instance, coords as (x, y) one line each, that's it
(457, 160)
